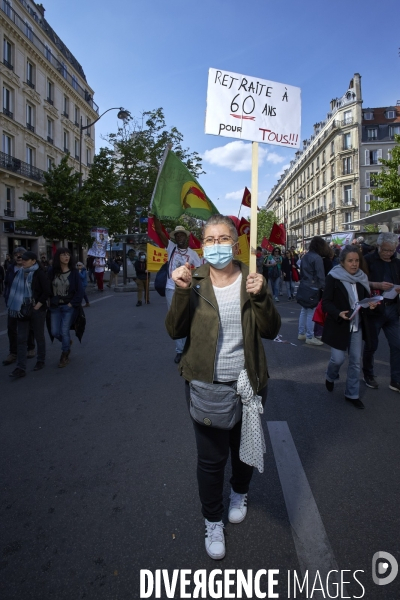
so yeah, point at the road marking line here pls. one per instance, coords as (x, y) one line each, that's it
(310, 539)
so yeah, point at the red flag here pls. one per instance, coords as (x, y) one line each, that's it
(194, 243)
(236, 222)
(246, 200)
(244, 227)
(277, 235)
(267, 245)
(282, 226)
(151, 232)
(53, 249)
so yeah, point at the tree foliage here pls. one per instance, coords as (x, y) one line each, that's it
(387, 182)
(137, 152)
(265, 221)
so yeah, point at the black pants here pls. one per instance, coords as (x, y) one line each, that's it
(35, 323)
(12, 325)
(213, 446)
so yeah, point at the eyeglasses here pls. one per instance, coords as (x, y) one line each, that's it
(222, 239)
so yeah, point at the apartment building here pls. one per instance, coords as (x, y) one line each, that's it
(327, 184)
(46, 99)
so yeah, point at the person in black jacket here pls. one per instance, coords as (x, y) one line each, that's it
(384, 275)
(65, 299)
(12, 322)
(30, 287)
(142, 279)
(345, 285)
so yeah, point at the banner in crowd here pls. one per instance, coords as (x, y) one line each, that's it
(177, 192)
(250, 108)
(156, 257)
(342, 239)
(99, 246)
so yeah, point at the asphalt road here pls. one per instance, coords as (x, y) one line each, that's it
(98, 468)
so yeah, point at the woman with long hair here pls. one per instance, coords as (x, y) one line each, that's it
(65, 300)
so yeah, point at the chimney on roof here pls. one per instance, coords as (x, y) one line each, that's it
(333, 103)
(41, 9)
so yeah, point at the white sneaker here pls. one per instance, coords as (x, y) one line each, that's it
(276, 299)
(301, 336)
(237, 507)
(215, 540)
(314, 342)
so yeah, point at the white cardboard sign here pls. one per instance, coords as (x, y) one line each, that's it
(248, 108)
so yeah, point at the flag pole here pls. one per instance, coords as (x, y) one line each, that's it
(240, 208)
(254, 204)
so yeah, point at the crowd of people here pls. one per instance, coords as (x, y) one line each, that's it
(218, 313)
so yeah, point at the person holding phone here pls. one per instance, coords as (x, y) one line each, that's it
(345, 285)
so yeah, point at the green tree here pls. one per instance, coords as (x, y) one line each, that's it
(101, 193)
(265, 220)
(387, 182)
(59, 212)
(137, 152)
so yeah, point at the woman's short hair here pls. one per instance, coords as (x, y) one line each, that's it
(222, 220)
(387, 238)
(347, 250)
(319, 246)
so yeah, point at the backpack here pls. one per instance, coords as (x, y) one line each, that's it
(160, 281)
(115, 268)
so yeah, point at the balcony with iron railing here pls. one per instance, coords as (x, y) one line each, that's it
(31, 85)
(30, 127)
(17, 166)
(8, 64)
(348, 202)
(46, 52)
(8, 113)
(8, 212)
(332, 206)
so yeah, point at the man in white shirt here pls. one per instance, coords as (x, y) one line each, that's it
(178, 254)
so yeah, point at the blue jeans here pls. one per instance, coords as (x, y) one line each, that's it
(179, 344)
(306, 324)
(353, 371)
(290, 287)
(61, 318)
(389, 322)
(275, 286)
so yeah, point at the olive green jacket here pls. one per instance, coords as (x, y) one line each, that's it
(194, 314)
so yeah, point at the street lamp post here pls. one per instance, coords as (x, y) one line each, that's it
(123, 114)
(139, 210)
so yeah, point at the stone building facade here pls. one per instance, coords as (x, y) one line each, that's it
(45, 100)
(325, 186)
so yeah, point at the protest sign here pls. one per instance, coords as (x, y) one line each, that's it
(99, 246)
(249, 108)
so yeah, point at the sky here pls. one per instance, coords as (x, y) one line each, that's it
(143, 55)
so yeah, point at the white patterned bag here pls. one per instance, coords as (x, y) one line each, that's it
(252, 442)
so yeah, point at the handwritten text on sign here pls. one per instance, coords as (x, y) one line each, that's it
(249, 108)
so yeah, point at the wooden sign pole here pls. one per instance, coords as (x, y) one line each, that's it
(254, 204)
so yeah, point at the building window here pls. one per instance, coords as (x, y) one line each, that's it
(317, 184)
(50, 163)
(7, 144)
(30, 74)
(369, 179)
(332, 172)
(347, 141)
(8, 102)
(372, 133)
(88, 133)
(367, 200)
(30, 117)
(66, 141)
(368, 116)
(66, 107)
(50, 92)
(77, 149)
(30, 156)
(317, 162)
(347, 117)
(76, 114)
(10, 195)
(333, 197)
(28, 31)
(323, 157)
(7, 8)
(74, 82)
(89, 162)
(63, 70)
(332, 148)
(333, 223)
(390, 114)
(8, 54)
(347, 165)
(312, 168)
(50, 130)
(48, 53)
(394, 130)
(347, 194)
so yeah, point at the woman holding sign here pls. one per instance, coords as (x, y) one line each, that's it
(223, 311)
(344, 328)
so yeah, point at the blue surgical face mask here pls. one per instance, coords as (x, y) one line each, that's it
(218, 255)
